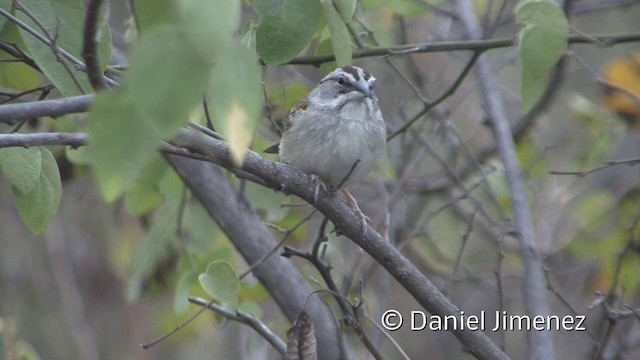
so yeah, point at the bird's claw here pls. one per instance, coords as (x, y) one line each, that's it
(364, 219)
(316, 188)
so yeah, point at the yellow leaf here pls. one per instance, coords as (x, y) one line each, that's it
(239, 133)
(624, 73)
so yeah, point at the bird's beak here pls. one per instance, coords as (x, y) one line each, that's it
(363, 87)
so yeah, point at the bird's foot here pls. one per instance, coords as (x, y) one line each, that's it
(316, 189)
(351, 201)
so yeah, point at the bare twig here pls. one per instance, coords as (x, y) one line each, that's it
(52, 39)
(10, 97)
(247, 319)
(324, 270)
(178, 327)
(386, 334)
(460, 45)
(608, 164)
(286, 236)
(79, 64)
(439, 100)
(16, 52)
(608, 84)
(465, 239)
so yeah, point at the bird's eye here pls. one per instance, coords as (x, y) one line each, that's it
(341, 80)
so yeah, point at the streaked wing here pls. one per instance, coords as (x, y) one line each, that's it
(294, 113)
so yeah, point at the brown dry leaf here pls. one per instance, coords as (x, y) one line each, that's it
(301, 339)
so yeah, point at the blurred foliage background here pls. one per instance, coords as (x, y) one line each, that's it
(117, 262)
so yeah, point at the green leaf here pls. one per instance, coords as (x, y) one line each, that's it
(220, 281)
(145, 194)
(16, 75)
(325, 48)
(236, 96)
(64, 21)
(180, 299)
(340, 38)
(346, 8)
(152, 13)
(406, 7)
(285, 29)
(120, 143)
(79, 156)
(5, 4)
(38, 206)
(151, 248)
(22, 167)
(166, 79)
(209, 24)
(542, 41)
(200, 226)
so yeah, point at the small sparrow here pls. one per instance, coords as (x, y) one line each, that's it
(337, 132)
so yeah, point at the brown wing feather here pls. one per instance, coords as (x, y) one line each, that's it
(286, 123)
(273, 149)
(293, 113)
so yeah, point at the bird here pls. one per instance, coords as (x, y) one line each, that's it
(336, 133)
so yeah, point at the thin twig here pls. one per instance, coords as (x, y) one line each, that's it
(79, 64)
(440, 99)
(633, 96)
(177, 328)
(247, 319)
(16, 52)
(459, 45)
(608, 164)
(465, 239)
(11, 97)
(325, 272)
(286, 236)
(52, 39)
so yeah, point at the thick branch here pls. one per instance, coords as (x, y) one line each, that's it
(252, 239)
(536, 302)
(43, 139)
(89, 45)
(12, 113)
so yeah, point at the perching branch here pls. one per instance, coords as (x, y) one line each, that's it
(281, 176)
